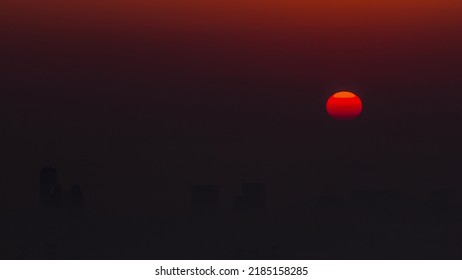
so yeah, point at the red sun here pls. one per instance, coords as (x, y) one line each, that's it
(344, 106)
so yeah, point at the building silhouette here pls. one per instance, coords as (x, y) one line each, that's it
(48, 185)
(56, 200)
(205, 198)
(252, 198)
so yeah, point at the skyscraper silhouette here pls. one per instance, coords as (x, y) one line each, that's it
(48, 185)
(204, 198)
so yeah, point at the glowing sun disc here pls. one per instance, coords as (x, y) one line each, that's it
(344, 105)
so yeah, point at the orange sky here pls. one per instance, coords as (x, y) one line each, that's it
(237, 13)
(348, 39)
(384, 23)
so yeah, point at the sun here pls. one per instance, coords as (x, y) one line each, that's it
(344, 105)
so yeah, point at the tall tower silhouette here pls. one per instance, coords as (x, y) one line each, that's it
(48, 185)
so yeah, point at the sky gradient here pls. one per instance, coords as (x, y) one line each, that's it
(175, 93)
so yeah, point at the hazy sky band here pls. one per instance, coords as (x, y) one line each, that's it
(331, 44)
(236, 14)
